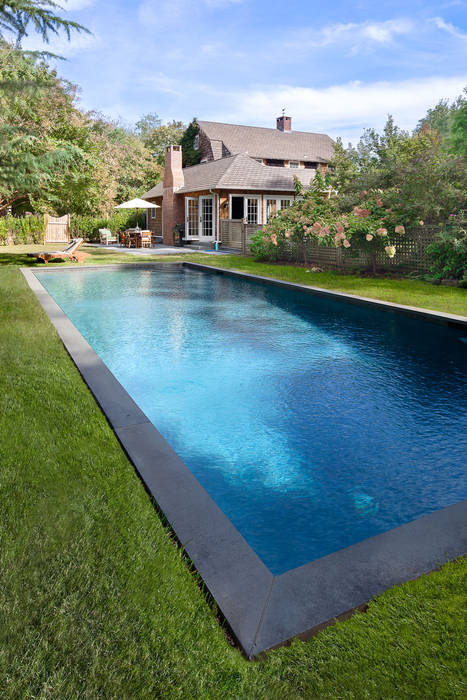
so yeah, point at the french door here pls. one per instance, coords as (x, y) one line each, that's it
(191, 217)
(206, 217)
(199, 218)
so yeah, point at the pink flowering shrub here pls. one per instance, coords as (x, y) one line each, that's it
(369, 225)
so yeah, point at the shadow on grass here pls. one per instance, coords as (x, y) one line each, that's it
(18, 259)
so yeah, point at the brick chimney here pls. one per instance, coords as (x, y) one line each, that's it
(284, 123)
(172, 204)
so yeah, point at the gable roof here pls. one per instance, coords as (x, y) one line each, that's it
(260, 142)
(239, 172)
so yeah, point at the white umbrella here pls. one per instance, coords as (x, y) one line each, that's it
(137, 204)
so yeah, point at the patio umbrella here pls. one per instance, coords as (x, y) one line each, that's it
(137, 204)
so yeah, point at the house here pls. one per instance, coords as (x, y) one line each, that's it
(246, 175)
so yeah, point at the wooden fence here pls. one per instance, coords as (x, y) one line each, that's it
(57, 228)
(410, 249)
(235, 234)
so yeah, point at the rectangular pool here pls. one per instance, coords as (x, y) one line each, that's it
(312, 423)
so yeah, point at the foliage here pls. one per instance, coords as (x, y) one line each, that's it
(190, 155)
(17, 15)
(448, 255)
(55, 158)
(88, 226)
(32, 148)
(418, 174)
(458, 133)
(26, 229)
(262, 247)
(370, 225)
(156, 136)
(450, 122)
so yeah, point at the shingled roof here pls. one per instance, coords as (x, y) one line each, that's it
(260, 142)
(239, 172)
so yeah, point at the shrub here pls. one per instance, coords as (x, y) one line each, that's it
(25, 229)
(369, 225)
(88, 226)
(448, 255)
(263, 248)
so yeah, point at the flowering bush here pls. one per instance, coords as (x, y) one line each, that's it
(369, 225)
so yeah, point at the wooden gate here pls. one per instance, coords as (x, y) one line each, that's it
(57, 229)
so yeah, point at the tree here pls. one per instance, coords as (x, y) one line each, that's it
(190, 155)
(156, 136)
(56, 158)
(419, 176)
(17, 15)
(457, 140)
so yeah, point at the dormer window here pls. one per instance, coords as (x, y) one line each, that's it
(196, 142)
(294, 163)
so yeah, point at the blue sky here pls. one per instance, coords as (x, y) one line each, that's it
(336, 67)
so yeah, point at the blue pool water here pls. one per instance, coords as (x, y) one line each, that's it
(313, 423)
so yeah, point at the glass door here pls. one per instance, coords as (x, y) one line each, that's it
(191, 217)
(206, 217)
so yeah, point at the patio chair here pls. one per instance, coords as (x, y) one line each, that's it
(106, 236)
(146, 239)
(70, 252)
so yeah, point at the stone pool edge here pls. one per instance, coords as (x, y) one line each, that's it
(263, 611)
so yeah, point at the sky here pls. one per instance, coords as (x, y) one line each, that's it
(335, 67)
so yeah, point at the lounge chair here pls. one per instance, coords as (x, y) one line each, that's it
(106, 236)
(70, 252)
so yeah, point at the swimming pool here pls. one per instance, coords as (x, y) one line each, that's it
(313, 424)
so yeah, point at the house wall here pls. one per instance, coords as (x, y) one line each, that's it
(155, 225)
(205, 146)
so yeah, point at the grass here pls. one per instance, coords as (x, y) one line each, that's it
(97, 602)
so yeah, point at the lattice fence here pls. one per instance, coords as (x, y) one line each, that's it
(410, 253)
(410, 249)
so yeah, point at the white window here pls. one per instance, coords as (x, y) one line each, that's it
(243, 206)
(294, 163)
(153, 213)
(196, 142)
(273, 205)
(252, 210)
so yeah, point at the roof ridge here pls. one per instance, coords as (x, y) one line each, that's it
(267, 128)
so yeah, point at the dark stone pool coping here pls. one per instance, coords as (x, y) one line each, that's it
(262, 610)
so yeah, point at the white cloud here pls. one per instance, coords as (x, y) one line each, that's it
(450, 28)
(352, 32)
(340, 110)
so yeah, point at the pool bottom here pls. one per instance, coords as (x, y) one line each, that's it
(262, 610)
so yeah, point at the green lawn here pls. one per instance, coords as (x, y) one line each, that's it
(97, 602)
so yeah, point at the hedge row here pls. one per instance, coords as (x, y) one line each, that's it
(88, 226)
(27, 229)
